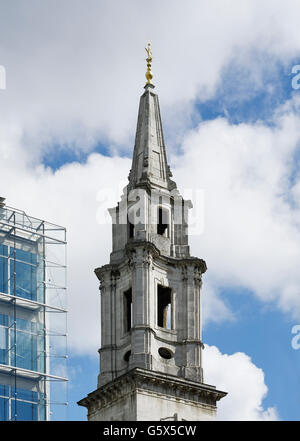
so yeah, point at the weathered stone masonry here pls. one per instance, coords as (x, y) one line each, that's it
(151, 343)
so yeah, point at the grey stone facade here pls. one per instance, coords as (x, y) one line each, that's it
(151, 368)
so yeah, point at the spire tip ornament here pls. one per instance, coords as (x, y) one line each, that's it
(149, 74)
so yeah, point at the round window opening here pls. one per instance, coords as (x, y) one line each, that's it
(127, 355)
(165, 353)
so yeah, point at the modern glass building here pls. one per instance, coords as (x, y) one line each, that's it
(33, 350)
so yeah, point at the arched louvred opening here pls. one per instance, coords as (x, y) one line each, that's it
(131, 230)
(162, 221)
(127, 356)
(127, 310)
(164, 307)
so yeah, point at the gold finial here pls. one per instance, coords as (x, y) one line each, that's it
(149, 74)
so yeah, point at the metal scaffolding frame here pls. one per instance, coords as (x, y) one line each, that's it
(33, 310)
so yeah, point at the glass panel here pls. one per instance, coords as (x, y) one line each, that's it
(41, 356)
(3, 250)
(23, 394)
(3, 274)
(3, 319)
(30, 344)
(25, 280)
(26, 350)
(28, 409)
(24, 256)
(3, 390)
(25, 411)
(3, 339)
(40, 279)
(4, 409)
(3, 345)
(23, 325)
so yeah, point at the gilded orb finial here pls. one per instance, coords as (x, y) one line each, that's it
(149, 74)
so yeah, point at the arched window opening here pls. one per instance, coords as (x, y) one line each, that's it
(164, 307)
(127, 356)
(131, 230)
(162, 221)
(130, 227)
(127, 310)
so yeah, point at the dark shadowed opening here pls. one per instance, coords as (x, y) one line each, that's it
(127, 310)
(164, 306)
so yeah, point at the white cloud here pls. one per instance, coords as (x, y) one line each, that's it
(242, 380)
(214, 307)
(74, 70)
(251, 237)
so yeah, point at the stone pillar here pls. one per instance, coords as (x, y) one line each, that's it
(140, 334)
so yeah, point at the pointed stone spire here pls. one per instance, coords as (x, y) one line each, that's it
(149, 165)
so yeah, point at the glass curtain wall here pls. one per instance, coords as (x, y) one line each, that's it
(33, 351)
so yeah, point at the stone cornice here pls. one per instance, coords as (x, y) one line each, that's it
(182, 262)
(160, 384)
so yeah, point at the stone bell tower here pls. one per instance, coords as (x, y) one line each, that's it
(150, 356)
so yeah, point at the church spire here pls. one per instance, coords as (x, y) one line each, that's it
(149, 164)
(151, 343)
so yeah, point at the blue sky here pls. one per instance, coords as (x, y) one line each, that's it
(232, 127)
(265, 335)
